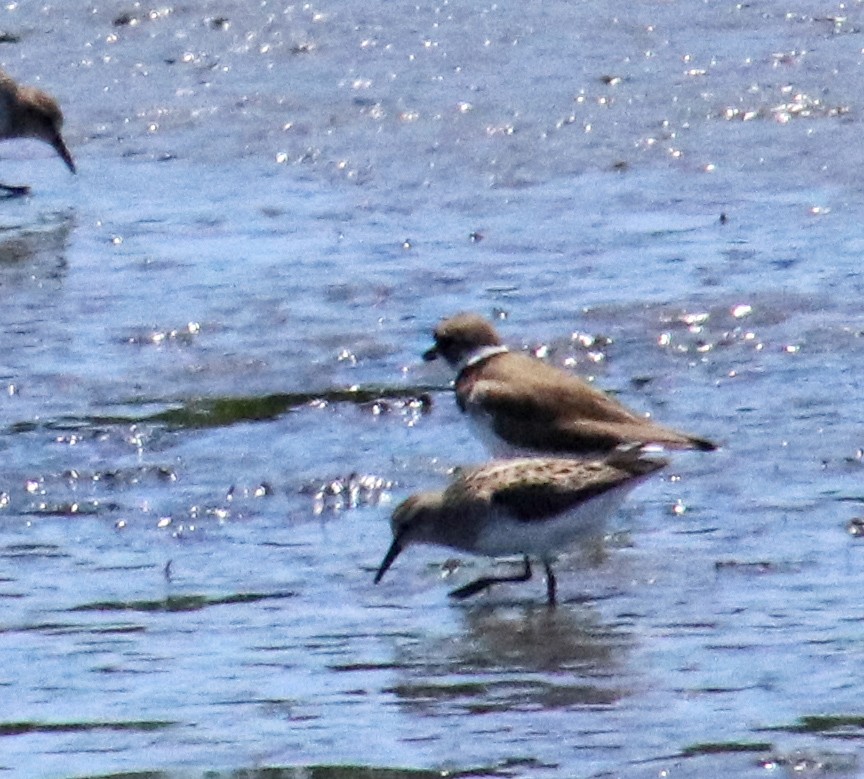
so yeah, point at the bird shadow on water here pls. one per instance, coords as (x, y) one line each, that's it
(515, 657)
(536, 637)
(37, 251)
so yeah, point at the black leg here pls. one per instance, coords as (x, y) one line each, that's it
(550, 584)
(11, 191)
(478, 585)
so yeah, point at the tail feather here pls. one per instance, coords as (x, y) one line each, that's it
(702, 444)
(630, 458)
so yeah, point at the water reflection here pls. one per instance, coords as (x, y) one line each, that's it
(34, 253)
(510, 658)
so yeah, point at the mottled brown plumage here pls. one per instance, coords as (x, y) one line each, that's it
(531, 507)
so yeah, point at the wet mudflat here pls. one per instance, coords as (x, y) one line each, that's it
(212, 394)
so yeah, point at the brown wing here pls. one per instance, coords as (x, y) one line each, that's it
(533, 502)
(523, 379)
(567, 416)
(534, 421)
(540, 495)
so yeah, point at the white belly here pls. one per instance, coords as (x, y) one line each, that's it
(480, 424)
(503, 535)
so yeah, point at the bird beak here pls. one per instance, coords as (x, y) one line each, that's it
(392, 554)
(430, 354)
(61, 149)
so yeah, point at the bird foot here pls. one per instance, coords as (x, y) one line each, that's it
(478, 585)
(472, 588)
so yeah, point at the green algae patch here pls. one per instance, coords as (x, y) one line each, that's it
(725, 747)
(311, 772)
(181, 602)
(24, 728)
(825, 723)
(220, 412)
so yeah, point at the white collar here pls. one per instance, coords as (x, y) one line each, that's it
(484, 353)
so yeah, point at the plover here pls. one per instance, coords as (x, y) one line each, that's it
(520, 405)
(532, 507)
(27, 112)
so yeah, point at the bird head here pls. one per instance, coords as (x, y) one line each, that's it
(40, 117)
(411, 523)
(460, 336)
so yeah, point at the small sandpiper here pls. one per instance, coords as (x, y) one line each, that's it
(532, 507)
(519, 405)
(27, 112)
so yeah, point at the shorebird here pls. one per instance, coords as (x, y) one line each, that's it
(532, 507)
(27, 112)
(520, 405)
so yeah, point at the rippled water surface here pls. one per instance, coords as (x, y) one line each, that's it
(211, 392)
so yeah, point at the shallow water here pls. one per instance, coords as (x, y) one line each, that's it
(275, 205)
